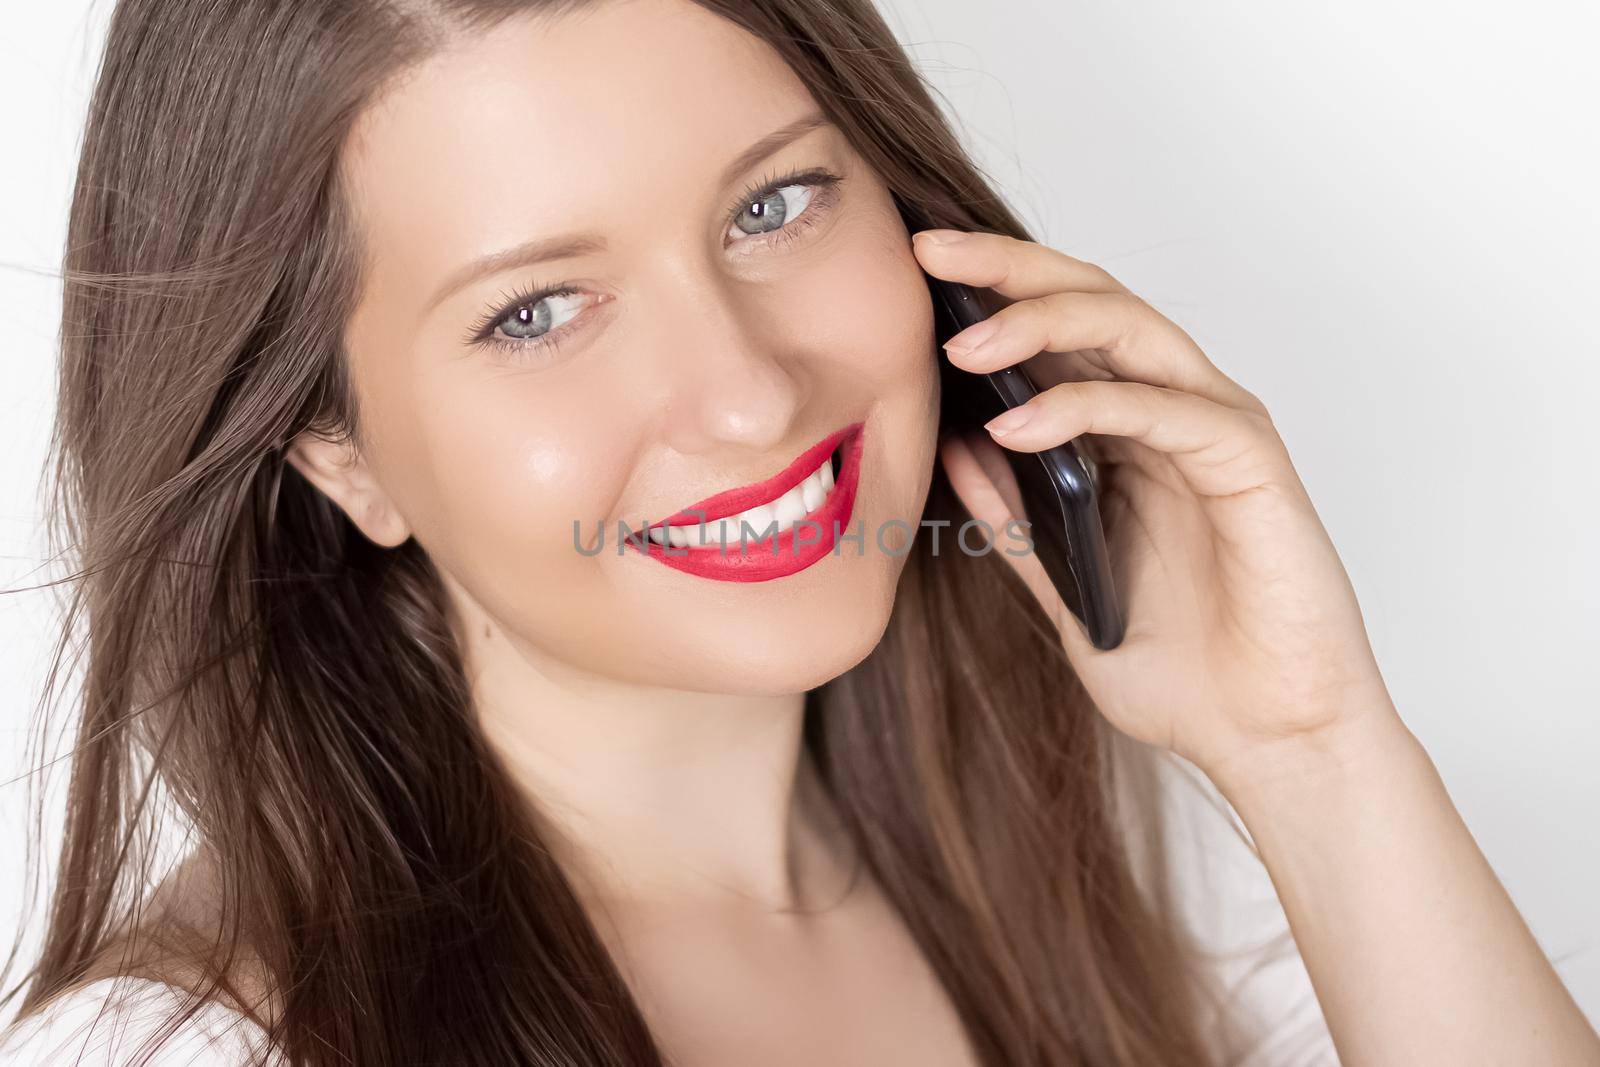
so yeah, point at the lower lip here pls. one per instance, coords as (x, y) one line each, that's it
(775, 557)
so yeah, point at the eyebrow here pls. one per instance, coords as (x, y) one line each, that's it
(566, 246)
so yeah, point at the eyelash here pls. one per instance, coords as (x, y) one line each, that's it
(824, 182)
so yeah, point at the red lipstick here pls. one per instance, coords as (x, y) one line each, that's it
(770, 557)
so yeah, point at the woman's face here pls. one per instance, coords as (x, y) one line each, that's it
(698, 345)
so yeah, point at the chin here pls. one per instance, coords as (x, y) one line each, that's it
(786, 643)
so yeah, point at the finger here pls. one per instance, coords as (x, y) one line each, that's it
(1138, 342)
(1219, 450)
(1014, 268)
(1027, 270)
(987, 488)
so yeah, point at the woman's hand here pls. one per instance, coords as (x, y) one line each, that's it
(1245, 653)
(1243, 630)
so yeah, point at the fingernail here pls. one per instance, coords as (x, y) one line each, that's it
(1007, 421)
(942, 237)
(970, 338)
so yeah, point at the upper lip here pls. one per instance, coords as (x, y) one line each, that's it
(733, 501)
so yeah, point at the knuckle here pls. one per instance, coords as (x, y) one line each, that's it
(1067, 305)
(1008, 259)
(1102, 278)
(1254, 404)
(1106, 278)
(1125, 311)
(1074, 394)
(1101, 391)
(1259, 424)
(1059, 393)
(1157, 400)
(1015, 317)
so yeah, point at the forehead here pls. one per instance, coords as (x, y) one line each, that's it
(544, 124)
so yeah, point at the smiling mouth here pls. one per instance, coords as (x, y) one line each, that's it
(756, 512)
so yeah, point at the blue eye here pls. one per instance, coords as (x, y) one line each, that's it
(774, 213)
(522, 322)
(773, 210)
(527, 322)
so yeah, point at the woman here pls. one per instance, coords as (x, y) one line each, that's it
(376, 314)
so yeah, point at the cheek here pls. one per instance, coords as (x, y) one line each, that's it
(895, 303)
(879, 302)
(492, 472)
(871, 300)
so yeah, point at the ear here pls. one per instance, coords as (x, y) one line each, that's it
(338, 469)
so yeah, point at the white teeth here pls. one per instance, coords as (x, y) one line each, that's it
(715, 532)
(758, 518)
(790, 509)
(785, 511)
(812, 493)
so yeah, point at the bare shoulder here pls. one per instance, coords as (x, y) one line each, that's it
(115, 1021)
(123, 1004)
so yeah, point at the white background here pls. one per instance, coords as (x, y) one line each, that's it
(1379, 217)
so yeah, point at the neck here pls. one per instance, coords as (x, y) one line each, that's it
(665, 796)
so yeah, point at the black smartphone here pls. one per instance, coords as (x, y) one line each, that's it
(1069, 541)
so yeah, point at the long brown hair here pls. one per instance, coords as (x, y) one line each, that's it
(290, 694)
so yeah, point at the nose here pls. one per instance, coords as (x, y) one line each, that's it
(727, 374)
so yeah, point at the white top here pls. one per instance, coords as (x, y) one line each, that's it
(1226, 898)
(75, 1029)
(1223, 891)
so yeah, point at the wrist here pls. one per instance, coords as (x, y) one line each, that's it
(1362, 749)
